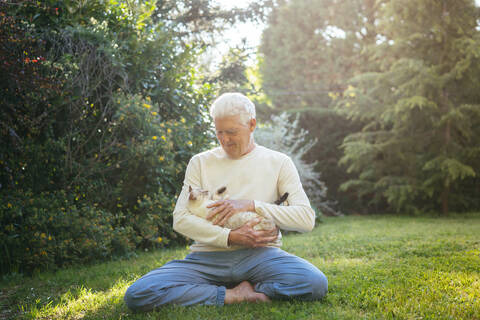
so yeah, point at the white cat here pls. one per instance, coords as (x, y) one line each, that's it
(198, 200)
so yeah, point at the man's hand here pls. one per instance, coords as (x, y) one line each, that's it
(224, 209)
(248, 237)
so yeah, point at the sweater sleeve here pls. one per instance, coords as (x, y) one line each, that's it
(298, 215)
(190, 225)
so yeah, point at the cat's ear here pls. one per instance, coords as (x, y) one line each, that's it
(191, 195)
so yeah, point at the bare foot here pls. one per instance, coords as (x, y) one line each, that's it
(244, 292)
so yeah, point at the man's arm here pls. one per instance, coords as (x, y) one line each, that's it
(298, 215)
(190, 225)
(246, 235)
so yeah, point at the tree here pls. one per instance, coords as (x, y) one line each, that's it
(310, 49)
(102, 112)
(419, 147)
(284, 135)
(102, 107)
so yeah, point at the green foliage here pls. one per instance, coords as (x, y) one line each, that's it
(103, 116)
(310, 49)
(405, 76)
(284, 135)
(48, 230)
(418, 148)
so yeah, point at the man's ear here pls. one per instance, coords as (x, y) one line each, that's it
(252, 124)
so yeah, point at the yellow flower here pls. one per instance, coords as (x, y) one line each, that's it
(333, 95)
(159, 239)
(154, 137)
(182, 120)
(352, 94)
(43, 253)
(43, 235)
(148, 99)
(189, 143)
(50, 238)
(154, 113)
(161, 158)
(147, 106)
(169, 130)
(163, 138)
(9, 205)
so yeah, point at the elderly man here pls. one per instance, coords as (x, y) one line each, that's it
(230, 266)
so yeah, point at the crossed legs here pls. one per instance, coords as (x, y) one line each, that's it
(217, 278)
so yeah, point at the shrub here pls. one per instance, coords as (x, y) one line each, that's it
(49, 230)
(284, 135)
(98, 136)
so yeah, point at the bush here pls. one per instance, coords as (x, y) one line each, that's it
(50, 230)
(284, 135)
(98, 131)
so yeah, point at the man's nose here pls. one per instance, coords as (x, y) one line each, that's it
(225, 138)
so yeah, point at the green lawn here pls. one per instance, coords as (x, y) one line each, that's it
(379, 267)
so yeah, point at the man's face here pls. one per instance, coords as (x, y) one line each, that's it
(234, 135)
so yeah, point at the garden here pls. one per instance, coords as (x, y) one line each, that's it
(377, 103)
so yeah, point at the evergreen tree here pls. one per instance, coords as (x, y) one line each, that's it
(310, 49)
(419, 147)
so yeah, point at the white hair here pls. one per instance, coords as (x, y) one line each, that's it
(232, 104)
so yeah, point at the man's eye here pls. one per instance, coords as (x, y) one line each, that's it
(228, 133)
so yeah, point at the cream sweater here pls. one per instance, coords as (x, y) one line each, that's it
(262, 175)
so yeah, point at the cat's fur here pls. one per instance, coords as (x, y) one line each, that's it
(198, 200)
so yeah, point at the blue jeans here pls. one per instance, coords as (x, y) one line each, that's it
(203, 277)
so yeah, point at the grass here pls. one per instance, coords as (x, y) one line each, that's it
(379, 267)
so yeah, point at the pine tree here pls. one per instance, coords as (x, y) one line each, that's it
(419, 148)
(310, 49)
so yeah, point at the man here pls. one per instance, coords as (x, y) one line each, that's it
(230, 266)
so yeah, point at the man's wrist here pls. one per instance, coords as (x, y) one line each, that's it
(252, 205)
(230, 237)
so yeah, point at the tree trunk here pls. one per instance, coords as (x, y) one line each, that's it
(445, 193)
(446, 188)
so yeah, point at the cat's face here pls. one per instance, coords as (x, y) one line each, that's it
(195, 194)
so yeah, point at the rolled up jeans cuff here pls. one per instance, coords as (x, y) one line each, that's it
(221, 292)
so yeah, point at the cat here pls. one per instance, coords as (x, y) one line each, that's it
(198, 200)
